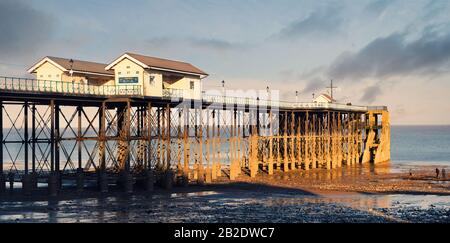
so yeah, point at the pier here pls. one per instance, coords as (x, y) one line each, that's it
(114, 135)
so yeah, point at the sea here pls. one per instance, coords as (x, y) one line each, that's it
(420, 145)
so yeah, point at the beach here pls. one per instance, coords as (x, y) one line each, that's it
(367, 194)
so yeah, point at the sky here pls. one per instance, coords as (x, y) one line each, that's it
(378, 52)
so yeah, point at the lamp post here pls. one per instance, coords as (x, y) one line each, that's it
(71, 68)
(296, 96)
(223, 91)
(71, 74)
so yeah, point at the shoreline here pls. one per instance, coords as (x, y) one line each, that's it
(351, 195)
(360, 179)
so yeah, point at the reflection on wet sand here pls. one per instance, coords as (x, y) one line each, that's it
(258, 204)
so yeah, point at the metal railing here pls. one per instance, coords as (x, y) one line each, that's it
(73, 88)
(173, 93)
(282, 104)
(62, 87)
(377, 108)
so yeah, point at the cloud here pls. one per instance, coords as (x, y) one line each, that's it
(210, 44)
(314, 85)
(160, 42)
(321, 22)
(22, 28)
(394, 55)
(377, 7)
(371, 93)
(215, 44)
(434, 8)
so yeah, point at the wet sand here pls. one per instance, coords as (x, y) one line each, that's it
(361, 194)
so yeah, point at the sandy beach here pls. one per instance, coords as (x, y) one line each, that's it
(384, 193)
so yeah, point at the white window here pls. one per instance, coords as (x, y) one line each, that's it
(137, 72)
(192, 84)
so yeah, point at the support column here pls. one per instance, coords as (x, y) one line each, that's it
(314, 142)
(285, 144)
(253, 156)
(219, 169)
(214, 163)
(340, 136)
(293, 137)
(186, 143)
(270, 162)
(53, 177)
(2, 175)
(26, 179)
(148, 172)
(102, 175)
(127, 177)
(307, 142)
(233, 162)
(80, 172)
(34, 177)
(328, 142)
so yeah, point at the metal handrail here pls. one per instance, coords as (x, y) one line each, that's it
(173, 93)
(377, 108)
(282, 104)
(64, 87)
(72, 88)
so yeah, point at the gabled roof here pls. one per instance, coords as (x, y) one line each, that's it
(327, 97)
(159, 64)
(78, 66)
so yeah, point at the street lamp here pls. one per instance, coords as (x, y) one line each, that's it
(71, 75)
(223, 91)
(71, 68)
(296, 96)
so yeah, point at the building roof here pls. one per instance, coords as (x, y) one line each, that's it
(327, 97)
(159, 63)
(78, 66)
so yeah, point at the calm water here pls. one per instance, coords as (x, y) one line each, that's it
(420, 145)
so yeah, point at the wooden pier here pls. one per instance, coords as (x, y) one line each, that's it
(121, 138)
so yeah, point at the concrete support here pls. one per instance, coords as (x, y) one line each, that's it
(2, 183)
(102, 180)
(167, 182)
(53, 186)
(126, 180)
(149, 180)
(27, 186)
(80, 180)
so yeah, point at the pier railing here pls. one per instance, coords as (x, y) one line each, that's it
(173, 93)
(282, 104)
(62, 87)
(75, 88)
